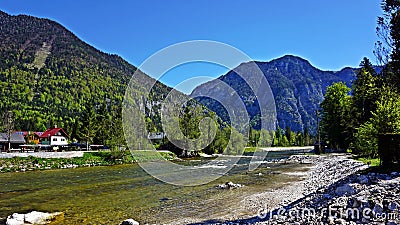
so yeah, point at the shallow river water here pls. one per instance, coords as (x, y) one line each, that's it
(108, 195)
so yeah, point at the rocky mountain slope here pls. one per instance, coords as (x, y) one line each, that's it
(297, 86)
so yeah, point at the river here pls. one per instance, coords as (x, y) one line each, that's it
(108, 195)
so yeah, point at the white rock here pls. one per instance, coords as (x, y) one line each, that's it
(229, 185)
(33, 217)
(15, 219)
(129, 222)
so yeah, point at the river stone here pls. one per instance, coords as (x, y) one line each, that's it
(362, 179)
(345, 189)
(392, 206)
(129, 222)
(378, 209)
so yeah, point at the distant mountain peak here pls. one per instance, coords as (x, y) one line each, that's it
(292, 60)
(298, 88)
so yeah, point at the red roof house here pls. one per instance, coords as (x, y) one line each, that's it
(54, 137)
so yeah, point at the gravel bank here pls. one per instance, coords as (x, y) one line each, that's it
(329, 181)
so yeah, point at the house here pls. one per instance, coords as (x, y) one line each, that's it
(54, 137)
(15, 141)
(30, 136)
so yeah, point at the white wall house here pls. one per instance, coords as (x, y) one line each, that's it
(54, 137)
(58, 140)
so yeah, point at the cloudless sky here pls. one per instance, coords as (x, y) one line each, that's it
(330, 34)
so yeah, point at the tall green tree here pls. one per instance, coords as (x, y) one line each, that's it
(365, 92)
(385, 119)
(89, 124)
(387, 49)
(336, 109)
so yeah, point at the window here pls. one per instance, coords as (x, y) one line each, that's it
(62, 139)
(54, 139)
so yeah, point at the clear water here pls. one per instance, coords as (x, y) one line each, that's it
(108, 195)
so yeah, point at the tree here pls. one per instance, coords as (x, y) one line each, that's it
(387, 49)
(385, 120)
(336, 109)
(104, 125)
(236, 144)
(288, 134)
(89, 125)
(365, 92)
(265, 138)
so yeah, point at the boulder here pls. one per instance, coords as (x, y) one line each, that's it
(34, 217)
(129, 222)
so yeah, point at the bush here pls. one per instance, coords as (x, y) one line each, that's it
(366, 140)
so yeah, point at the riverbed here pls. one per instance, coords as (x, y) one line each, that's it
(108, 195)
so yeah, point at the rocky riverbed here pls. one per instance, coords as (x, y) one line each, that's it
(334, 191)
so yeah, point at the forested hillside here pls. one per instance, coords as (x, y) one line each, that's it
(50, 77)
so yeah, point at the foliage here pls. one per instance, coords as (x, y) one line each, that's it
(236, 144)
(49, 77)
(366, 140)
(365, 92)
(385, 120)
(102, 158)
(336, 109)
(387, 49)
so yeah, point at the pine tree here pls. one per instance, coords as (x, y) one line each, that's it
(365, 92)
(89, 125)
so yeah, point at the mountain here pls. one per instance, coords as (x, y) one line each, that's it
(49, 76)
(297, 86)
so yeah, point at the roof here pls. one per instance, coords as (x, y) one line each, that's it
(15, 138)
(54, 132)
(26, 133)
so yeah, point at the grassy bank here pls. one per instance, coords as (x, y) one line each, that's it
(104, 158)
(376, 167)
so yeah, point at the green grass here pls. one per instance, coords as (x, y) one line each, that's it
(102, 158)
(376, 167)
(373, 162)
(249, 150)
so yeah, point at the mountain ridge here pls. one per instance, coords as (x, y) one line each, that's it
(48, 76)
(298, 88)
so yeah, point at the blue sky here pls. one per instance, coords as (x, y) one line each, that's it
(330, 34)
